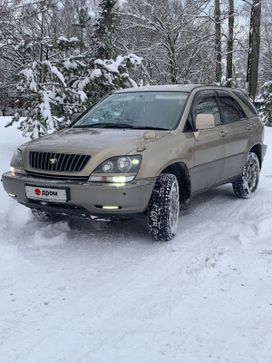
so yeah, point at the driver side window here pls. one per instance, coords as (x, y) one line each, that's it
(207, 104)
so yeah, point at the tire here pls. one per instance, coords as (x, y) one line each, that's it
(163, 209)
(248, 182)
(44, 216)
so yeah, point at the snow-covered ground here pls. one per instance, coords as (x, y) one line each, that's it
(95, 293)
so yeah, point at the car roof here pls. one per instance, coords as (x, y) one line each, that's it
(171, 88)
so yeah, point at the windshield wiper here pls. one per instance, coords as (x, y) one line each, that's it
(150, 128)
(106, 125)
(114, 125)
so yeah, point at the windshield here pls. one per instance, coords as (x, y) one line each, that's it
(139, 110)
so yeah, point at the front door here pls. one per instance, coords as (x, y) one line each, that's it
(209, 148)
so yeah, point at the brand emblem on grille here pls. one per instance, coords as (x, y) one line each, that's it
(53, 161)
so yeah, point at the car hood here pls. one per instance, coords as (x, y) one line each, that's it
(99, 143)
(92, 141)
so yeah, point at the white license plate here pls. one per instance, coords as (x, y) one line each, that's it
(47, 194)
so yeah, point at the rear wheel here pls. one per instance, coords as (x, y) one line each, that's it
(43, 216)
(163, 210)
(247, 183)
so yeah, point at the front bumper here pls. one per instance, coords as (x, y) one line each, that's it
(85, 198)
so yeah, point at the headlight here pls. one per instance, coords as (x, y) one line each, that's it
(17, 159)
(107, 166)
(125, 164)
(110, 170)
(16, 165)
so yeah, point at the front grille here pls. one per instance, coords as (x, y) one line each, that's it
(57, 162)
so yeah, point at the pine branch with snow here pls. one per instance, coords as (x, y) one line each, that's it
(53, 90)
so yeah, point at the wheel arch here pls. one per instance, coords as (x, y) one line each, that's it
(257, 149)
(181, 171)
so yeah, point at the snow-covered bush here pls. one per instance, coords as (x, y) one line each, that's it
(266, 104)
(231, 82)
(55, 89)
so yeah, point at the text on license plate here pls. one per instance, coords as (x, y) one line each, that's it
(44, 193)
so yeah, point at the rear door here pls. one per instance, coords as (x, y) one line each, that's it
(237, 130)
(209, 145)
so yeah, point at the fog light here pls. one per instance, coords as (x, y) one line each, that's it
(12, 195)
(110, 207)
(119, 179)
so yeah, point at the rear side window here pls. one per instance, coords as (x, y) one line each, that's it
(231, 111)
(246, 100)
(207, 104)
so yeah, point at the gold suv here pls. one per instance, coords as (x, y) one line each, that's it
(142, 150)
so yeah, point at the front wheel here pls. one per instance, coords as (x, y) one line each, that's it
(163, 209)
(247, 183)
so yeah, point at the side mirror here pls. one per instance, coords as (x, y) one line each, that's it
(205, 121)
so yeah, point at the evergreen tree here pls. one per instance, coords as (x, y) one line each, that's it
(68, 85)
(266, 107)
(61, 76)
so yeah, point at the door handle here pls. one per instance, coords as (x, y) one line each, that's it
(223, 133)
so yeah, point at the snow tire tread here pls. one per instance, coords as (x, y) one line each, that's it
(159, 208)
(239, 188)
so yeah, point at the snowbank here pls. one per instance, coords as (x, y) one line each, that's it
(87, 292)
(10, 139)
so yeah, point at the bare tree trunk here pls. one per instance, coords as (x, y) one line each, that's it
(229, 70)
(254, 48)
(172, 59)
(41, 43)
(218, 45)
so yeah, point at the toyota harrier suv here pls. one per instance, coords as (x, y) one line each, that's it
(142, 150)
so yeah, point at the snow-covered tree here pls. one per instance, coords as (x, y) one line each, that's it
(266, 107)
(175, 38)
(61, 53)
(53, 90)
(266, 44)
(58, 76)
(230, 43)
(218, 41)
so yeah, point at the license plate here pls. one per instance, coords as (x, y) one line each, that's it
(47, 194)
